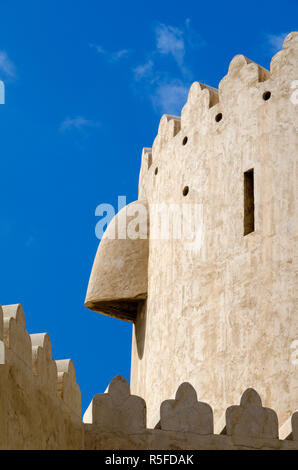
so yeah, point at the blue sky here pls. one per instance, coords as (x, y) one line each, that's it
(86, 84)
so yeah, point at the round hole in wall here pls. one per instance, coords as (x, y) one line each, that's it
(218, 117)
(184, 141)
(185, 191)
(156, 171)
(267, 95)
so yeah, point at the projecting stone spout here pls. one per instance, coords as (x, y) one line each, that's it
(119, 278)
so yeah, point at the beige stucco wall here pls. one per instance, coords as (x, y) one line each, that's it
(222, 314)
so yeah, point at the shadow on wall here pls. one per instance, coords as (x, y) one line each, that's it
(140, 327)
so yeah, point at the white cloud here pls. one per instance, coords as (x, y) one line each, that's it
(170, 97)
(77, 123)
(194, 39)
(119, 54)
(168, 93)
(111, 56)
(98, 48)
(142, 71)
(169, 40)
(7, 68)
(276, 41)
(177, 42)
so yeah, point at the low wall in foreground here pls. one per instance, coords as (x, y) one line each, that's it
(40, 401)
(117, 420)
(40, 407)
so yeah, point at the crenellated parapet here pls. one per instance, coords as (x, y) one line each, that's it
(117, 410)
(117, 420)
(250, 419)
(16, 338)
(185, 413)
(68, 389)
(44, 366)
(40, 407)
(241, 89)
(40, 398)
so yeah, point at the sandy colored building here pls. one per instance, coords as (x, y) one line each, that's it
(220, 310)
(205, 266)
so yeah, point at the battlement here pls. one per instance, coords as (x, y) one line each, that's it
(206, 104)
(245, 84)
(40, 407)
(40, 399)
(117, 420)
